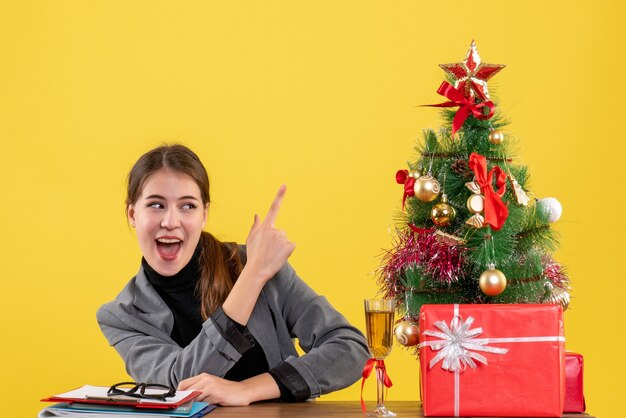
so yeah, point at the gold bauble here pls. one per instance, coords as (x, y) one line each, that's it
(426, 188)
(476, 203)
(407, 333)
(496, 137)
(492, 282)
(556, 295)
(561, 297)
(442, 214)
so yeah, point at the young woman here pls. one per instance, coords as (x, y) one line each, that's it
(216, 317)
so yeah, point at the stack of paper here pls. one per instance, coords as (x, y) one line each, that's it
(94, 402)
(197, 410)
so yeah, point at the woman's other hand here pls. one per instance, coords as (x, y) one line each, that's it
(218, 391)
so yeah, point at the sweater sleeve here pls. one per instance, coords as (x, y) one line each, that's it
(335, 350)
(151, 356)
(292, 386)
(235, 333)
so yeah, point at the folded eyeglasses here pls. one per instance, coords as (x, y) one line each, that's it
(142, 390)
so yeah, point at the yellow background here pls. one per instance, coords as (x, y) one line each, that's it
(318, 95)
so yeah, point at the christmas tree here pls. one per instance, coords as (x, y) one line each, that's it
(469, 229)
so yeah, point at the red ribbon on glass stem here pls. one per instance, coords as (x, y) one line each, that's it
(402, 177)
(466, 105)
(496, 211)
(367, 370)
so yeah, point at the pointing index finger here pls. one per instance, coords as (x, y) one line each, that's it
(272, 213)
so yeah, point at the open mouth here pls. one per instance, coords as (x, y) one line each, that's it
(168, 248)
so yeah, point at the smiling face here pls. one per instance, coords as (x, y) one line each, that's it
(168, 217)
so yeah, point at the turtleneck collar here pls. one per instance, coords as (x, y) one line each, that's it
(188, 276)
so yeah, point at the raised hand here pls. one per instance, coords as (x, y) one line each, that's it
(268, 248)
(267, 251)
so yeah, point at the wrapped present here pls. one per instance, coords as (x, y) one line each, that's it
(574, 397)
(492, 360)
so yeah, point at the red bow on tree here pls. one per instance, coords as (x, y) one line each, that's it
(402, 177)
(496, 211)
(380, 370)
(466, 105)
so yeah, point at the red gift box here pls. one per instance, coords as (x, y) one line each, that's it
(492, 360)
(574, 397)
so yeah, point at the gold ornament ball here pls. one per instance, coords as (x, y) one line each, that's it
(407, 333)
(492, 282)
(442, 214)
(496, 137)
(426, 188)
(556, 295)
(561, 297)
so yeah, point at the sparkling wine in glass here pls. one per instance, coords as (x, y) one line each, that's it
(379, 323)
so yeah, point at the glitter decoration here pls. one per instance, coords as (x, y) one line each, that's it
(442, 260)
(555, 273)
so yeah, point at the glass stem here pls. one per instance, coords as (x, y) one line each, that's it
(380, 388)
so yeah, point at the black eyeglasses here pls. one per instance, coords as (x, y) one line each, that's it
(138, 390)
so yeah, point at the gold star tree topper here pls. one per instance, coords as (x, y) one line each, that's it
(471, 75)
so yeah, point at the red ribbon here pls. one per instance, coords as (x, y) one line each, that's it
(367, 370)
(466, 105)
(402, 177)
(421, 230)
(496, 211)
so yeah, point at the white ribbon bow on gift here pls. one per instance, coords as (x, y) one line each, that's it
(458, 345)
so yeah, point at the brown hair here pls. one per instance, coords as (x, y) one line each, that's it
(220, 264)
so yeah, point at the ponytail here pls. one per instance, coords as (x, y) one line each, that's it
(220, 265)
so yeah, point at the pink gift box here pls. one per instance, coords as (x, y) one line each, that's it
(574, 396)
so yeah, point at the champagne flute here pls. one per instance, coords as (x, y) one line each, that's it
(379, 323)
